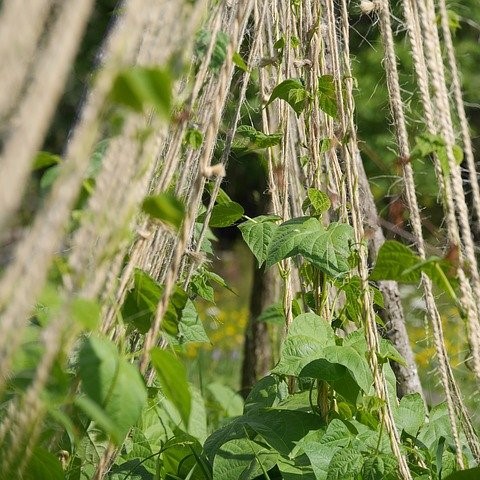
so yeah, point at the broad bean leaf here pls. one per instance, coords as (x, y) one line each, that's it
(380, 467)
(410, 415)
(398, 262)
(297, 469)
(140, 87)
(326, 248)
(219, 53)
(178, 458)
(190, 326)
(172, 376)
(194, 138)
(243, 459)
(267, 392)
(258, 233)
(112, 386)
(293, 92)
(223, 215)
(86, 312)
(281, 429)
(387, 350)
(328, 367)
(44, 160)
(43, 465)
(307, 338)
(438, 425)
(321, 447)
(346, 464)
(229, 401)
(470, 474)
(257, 139)
(141, 303)
(137, 446)
(239, 62)
(327, 96)
(273, 314)
(165, 207)
(427, 144)
(317, 201)
(200, 286)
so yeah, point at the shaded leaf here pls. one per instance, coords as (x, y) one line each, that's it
(326, 248)
(43, 466)
(317, 201)
(140, 87)
(259, 139)
(410, 414)
(172, 376)
(306, 340)
(240, 62)
(165, 207)
(258, 233)
(223, 215)
(242, 459)
(112, 384)
(327, 96)
(293, 92)
(44, 160)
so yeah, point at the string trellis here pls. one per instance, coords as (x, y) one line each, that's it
(113, 238)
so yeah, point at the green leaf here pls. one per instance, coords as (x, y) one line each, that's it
(229, 401)
(280, 428)
(428, 144)
(223, 215)
(317, 201)
(345, 356)
(200, 286)
(197, 422)
(258, 233)
(321, 447)
(243, 459)
(327, 96)
(273, 314)
(43, 466)
(194, 138)
(172, 376)
(86, 312)
(240, 62)
(306, 340)
(112, 384)
(346, 464)
(293, 92)
(140, 87)
(141, 301)
(258, 140)
(438, 425)
(165, 207)
(179, 457)
(470, 474)
(380, 467)
(190, 327)
(44, 160)
(410, 415)
(396, 261)
(220, 49)
(267, 392)
(327, 249)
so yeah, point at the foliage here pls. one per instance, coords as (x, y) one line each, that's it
(315, 417)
